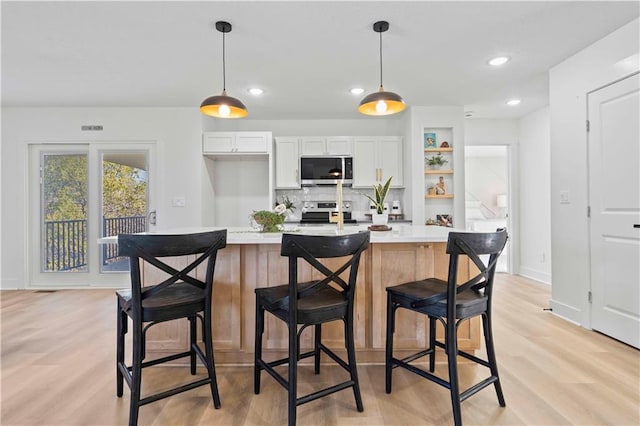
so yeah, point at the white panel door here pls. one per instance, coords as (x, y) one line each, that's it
(339, 145)
(614, 197)
(254, 142)
(365, 161)
(287, 163)
(313, 146)
(218, 142)
(390, 153)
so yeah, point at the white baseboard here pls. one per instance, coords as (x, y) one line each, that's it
(543, 277)
(10, 284)
(566, 312)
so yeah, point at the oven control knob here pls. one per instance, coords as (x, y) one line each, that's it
(347, 205)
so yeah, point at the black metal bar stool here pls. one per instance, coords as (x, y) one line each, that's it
(312, 303)
(449, 303)
(180, 295)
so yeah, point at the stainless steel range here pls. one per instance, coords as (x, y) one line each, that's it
(320, 211)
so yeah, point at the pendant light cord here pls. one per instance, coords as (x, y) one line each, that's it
(380, 58)
(224, 77)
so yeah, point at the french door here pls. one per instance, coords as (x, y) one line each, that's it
(78, 194)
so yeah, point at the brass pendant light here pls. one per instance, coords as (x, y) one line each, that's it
(381, 102)
(223, 106)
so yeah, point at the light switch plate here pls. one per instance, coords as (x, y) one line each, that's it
(564, 197)
(179, 202)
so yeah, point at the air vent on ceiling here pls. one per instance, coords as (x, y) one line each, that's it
(91, 128)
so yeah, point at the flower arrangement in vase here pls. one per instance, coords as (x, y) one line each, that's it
(270, 221)
(288, 205)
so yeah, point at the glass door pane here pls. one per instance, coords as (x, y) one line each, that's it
(64, 204)
(124, 202)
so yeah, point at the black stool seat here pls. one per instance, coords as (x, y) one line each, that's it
(468, 304)
(323, 305)
(177, 301)
(451, 303)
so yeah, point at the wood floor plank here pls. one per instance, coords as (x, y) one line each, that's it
(57, 368)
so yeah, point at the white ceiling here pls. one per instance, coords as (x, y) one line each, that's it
(305, 55)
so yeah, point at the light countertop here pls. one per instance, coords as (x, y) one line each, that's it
(400, 233)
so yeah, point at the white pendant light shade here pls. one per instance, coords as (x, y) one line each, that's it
(223, 106)
(381, 102)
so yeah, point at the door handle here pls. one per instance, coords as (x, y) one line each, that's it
(636, 225)
(152, 217)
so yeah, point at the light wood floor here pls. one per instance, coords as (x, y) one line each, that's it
(58, 353)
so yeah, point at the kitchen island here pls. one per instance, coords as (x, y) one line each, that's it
(252, 259)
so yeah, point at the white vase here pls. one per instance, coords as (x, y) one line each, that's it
(380, 219)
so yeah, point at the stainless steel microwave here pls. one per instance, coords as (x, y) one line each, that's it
(325, 170)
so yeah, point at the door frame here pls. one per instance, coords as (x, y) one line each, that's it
(512, 221)
(93, 278)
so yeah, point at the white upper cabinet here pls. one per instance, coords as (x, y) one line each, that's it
(376, 158)
(287, 159)
(236, 143)
(320, 145)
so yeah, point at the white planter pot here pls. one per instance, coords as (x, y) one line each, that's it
(380, 219)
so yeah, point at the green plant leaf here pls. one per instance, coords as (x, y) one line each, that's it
(380, 193)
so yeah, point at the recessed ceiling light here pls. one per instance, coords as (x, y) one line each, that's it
(500, 60)
(256, 91)
(513, 102)
(357, 91)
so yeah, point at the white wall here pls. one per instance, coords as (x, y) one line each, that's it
(605, 61)
(534, 192)
(478, 131)
(177, 132)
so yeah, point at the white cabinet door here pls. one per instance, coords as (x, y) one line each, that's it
(236, 142)
(365, 161)
(257, 142)
(287, 163)
(320, 145)
(218, 142)
(376, 158)
(312, 146)
(338, 146)
(390, 152)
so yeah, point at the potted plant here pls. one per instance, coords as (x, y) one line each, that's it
(270, 221)
(380, 192)
(436, 161)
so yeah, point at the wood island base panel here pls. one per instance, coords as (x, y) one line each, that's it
(253, 260)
